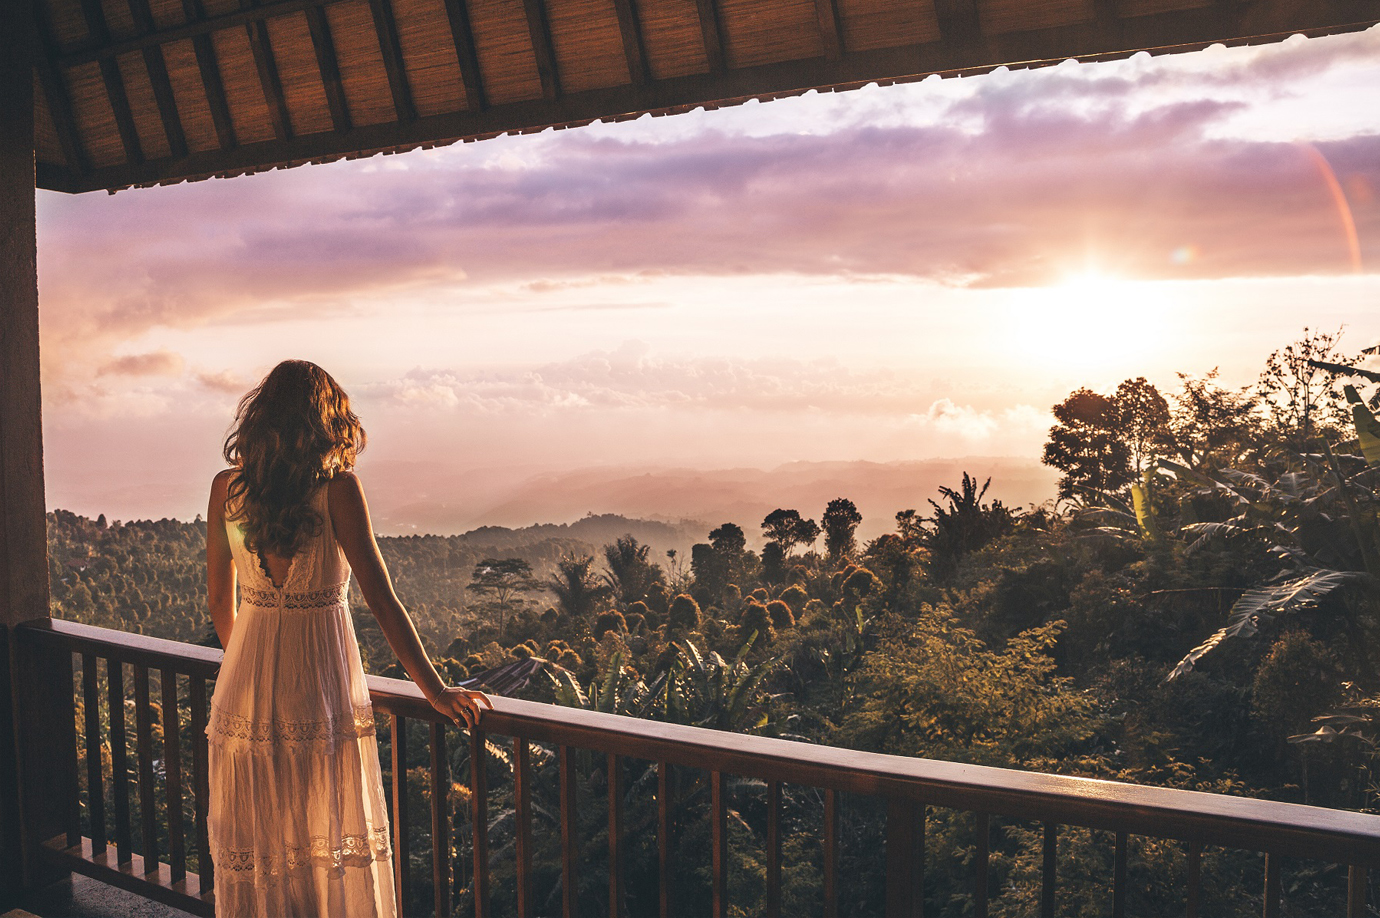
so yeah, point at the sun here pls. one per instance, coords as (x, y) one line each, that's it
(1088, 321)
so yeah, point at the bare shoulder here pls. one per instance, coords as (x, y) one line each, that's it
(220, 486)
(345, 486)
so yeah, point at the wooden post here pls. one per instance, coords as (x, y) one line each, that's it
(23, 537)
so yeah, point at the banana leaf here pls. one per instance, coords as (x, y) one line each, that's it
(1257, 607)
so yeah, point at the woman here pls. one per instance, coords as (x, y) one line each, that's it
(297, 820)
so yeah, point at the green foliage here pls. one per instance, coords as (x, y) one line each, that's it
(684, 614)
(840, 521)
(940, 692)
(579, 594)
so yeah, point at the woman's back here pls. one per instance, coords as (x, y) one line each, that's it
(299, 823)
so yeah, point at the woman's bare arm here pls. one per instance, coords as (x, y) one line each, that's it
(355, 533)
(220, 564)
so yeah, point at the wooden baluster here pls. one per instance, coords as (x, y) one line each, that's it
(1119, 878)
(479, 798)
(95, 779)
(119, 765)
(72, 808)
(570, 836)
(148, 815)
(1355, 891)
(773, 852)
(522, 804)
(440, 826)
(980, 858)
(615, 785)
(1195, 880)
(831, 853)
(172, 777)
(1049, 870)
(904, 868)
(1274, 885)
(718, 828)
(402, 849)
(663, 835)
(196, 699)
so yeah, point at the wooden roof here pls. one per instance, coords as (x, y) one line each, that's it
(134, 92)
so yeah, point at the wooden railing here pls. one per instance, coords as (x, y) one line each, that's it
(165, 858)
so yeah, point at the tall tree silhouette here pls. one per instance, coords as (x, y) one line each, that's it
(579, 593)
(840, 519)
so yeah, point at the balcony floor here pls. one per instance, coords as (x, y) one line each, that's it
(83, 897)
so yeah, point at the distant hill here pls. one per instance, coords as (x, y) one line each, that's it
(426, 497)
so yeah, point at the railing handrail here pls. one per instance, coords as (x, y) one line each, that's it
(1292, 829)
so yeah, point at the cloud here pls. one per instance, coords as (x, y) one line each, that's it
(160, 363)
(1025, 177)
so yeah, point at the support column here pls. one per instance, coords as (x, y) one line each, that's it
(23, 539)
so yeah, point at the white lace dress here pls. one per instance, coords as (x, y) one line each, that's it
(297, 820)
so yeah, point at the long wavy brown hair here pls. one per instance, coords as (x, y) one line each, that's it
(292, 432)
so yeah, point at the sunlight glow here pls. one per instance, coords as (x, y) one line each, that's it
(1089, 322)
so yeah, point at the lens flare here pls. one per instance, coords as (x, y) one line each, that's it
(1334, 188)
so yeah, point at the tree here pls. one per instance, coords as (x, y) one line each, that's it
(630, 574)
(962, 527)
(578, 591)
(1301, 399)
(720, 562)
(1143, 415)
(788, 529)
(1103, 444)
(1213, 427)
(502, 580)
(840, 519)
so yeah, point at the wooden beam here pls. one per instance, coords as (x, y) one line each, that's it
(55, 91)
(959, 20)
(157, 67)
(630, 27)
(329, 67)
(30, 751)
(210, 78)
(830, 28)
(387, 30)
(711, 30)
(1107, 14)
(261, 46)
(539, 28)
(95, 51)
(94, 14)
(463, 37)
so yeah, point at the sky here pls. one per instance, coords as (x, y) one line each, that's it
(888, 274)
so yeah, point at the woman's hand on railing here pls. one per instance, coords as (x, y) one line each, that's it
(462, 706)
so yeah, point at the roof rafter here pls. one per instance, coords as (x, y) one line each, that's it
(203, 26)
(157, 67)
(210, 78)
(462, 36)
(711, 30)
(630, 27)
(539, 27)
(387, 31)
(261, 46)
(830, 30)
(94, 14)
(55, 91)
(329, 67)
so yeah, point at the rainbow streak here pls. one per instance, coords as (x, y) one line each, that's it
(1343, 208)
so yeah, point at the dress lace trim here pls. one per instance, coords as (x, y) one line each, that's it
(266, 733)
(297, 600)
(250, 864)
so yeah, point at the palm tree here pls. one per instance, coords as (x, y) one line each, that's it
(579, 594)
(630, 574)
